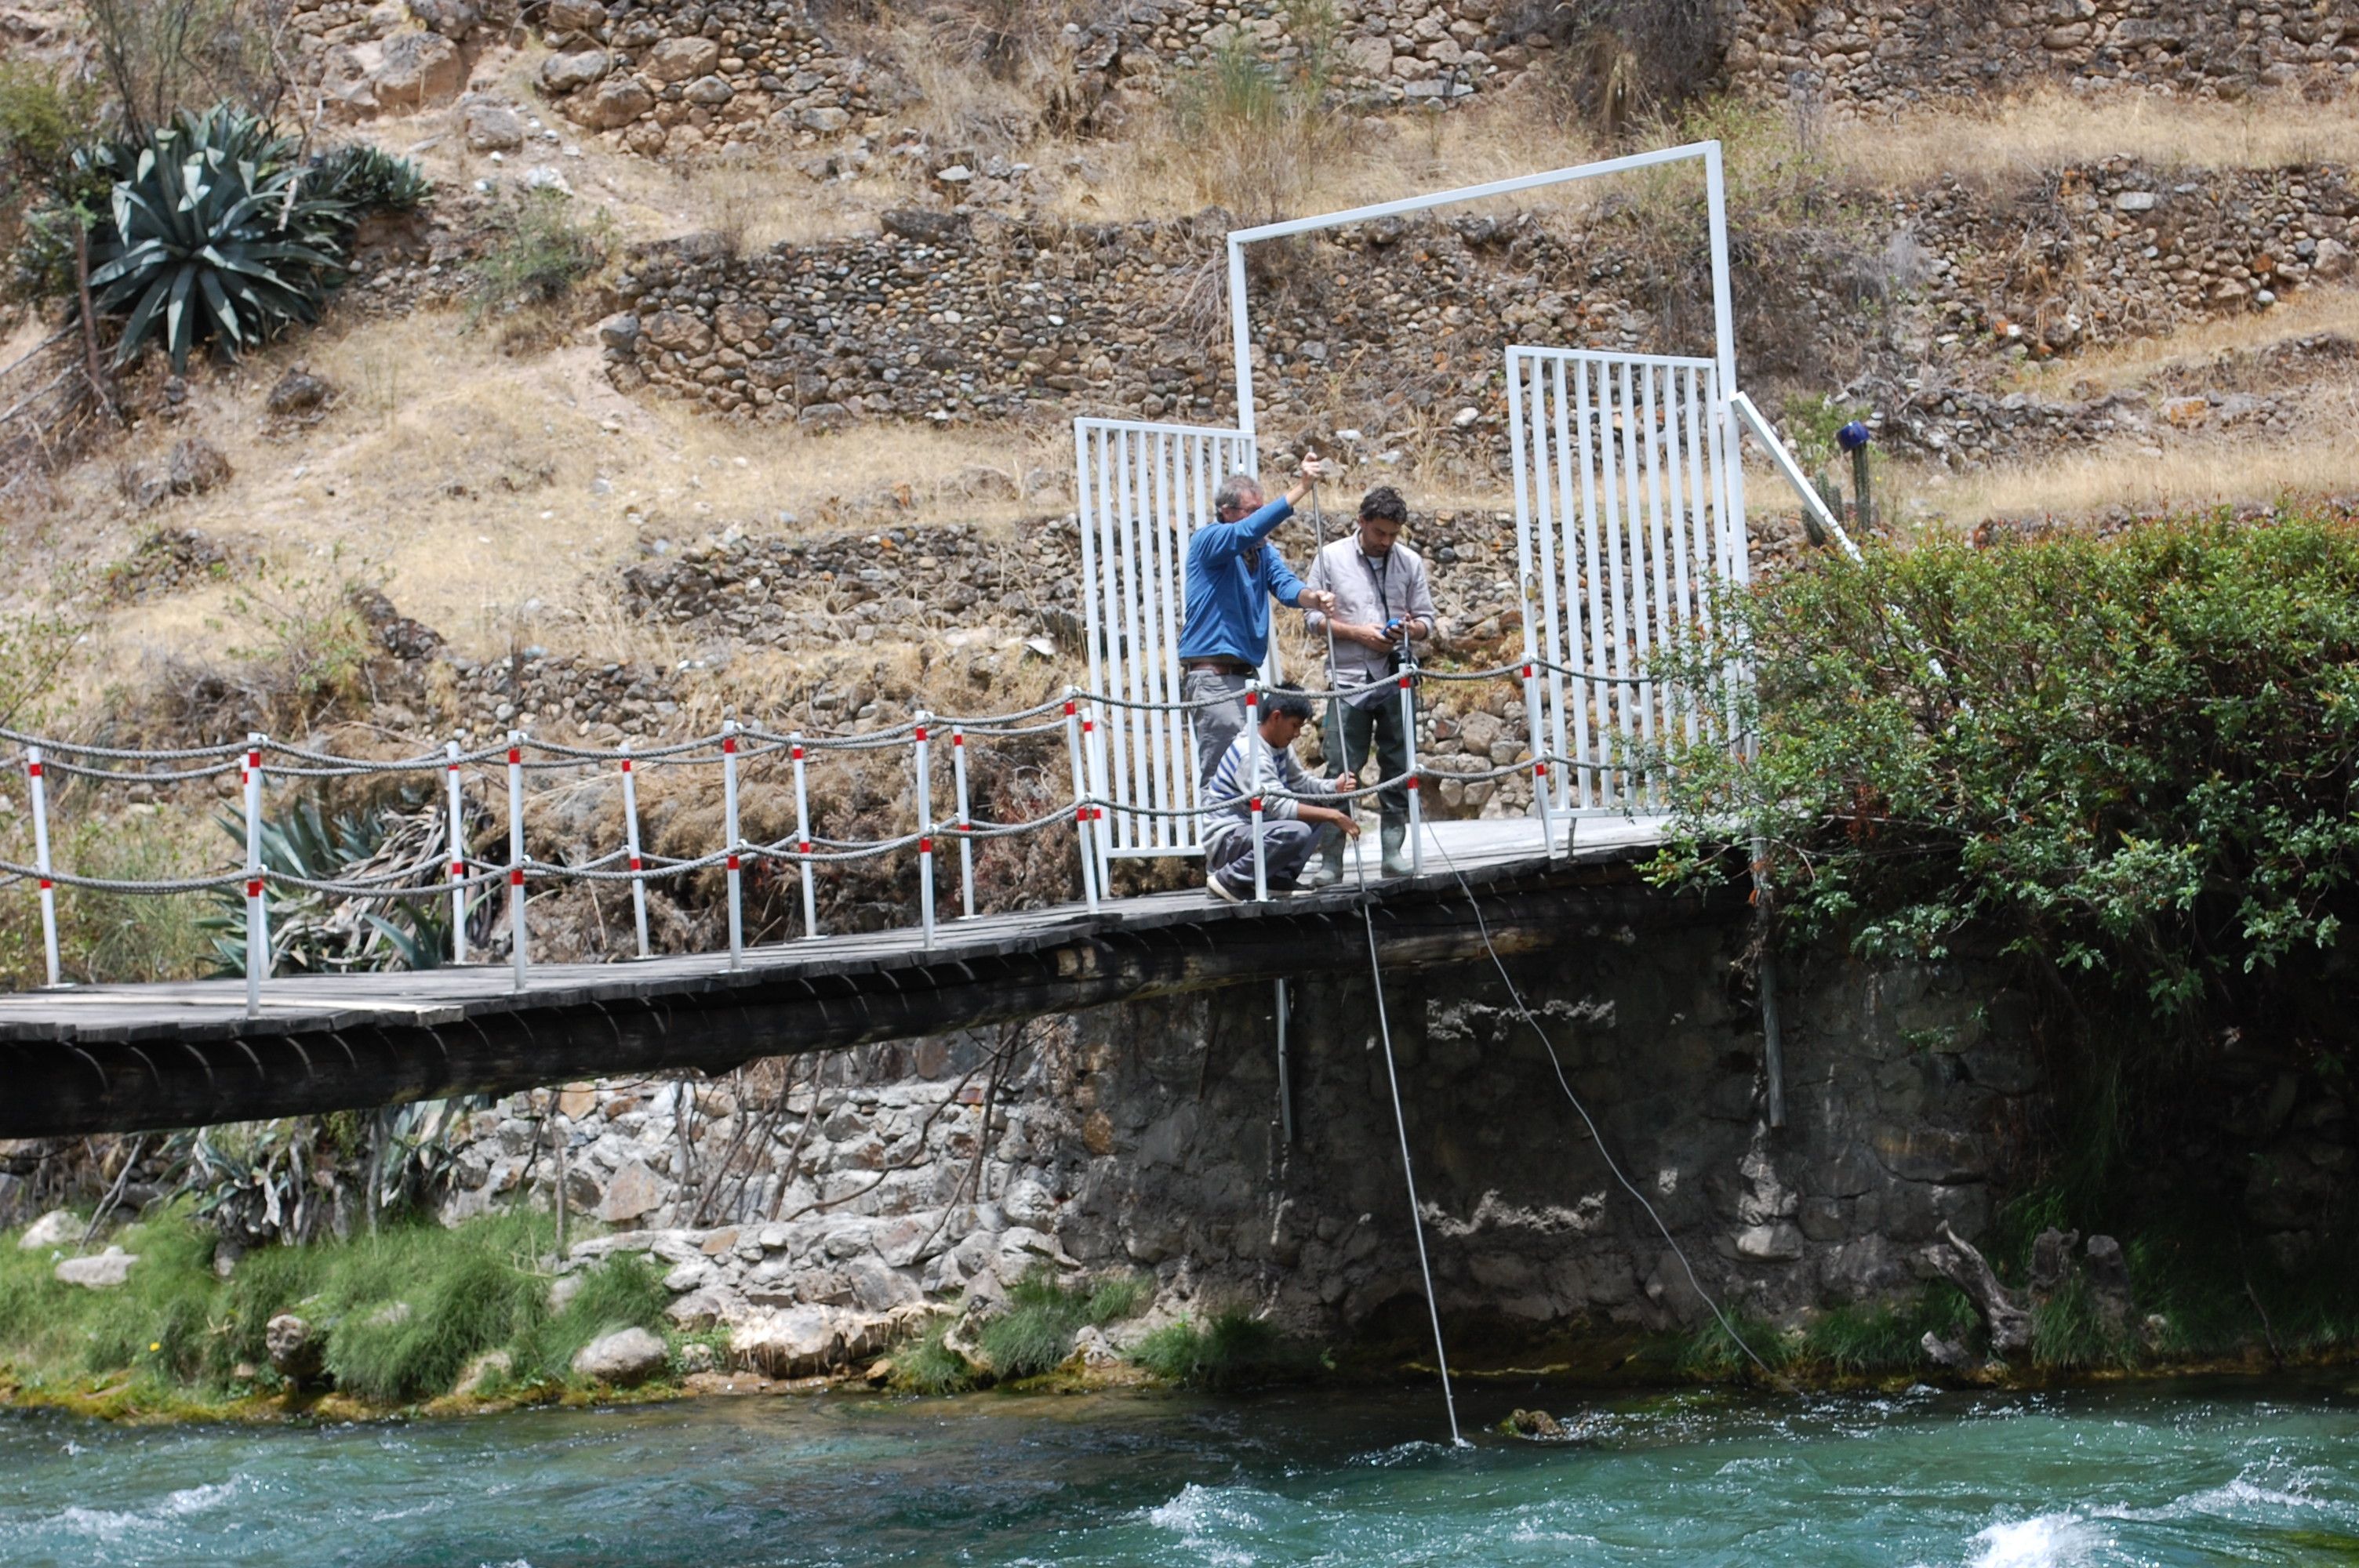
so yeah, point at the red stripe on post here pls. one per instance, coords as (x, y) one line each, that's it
(921, 734)
(47, 884)
(797, 754)
(1527, 672)
(1256, 803)
(729, 744)
(925, 846)
(516, 876)
(733, 862)
(33, 770)
(254, 888)
(958, 737)
(459, 869)
(1412, 781)
(635, 864)
(514, 756)
(803, 848)
(627, 765)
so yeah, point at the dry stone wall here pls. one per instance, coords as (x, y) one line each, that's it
(1886, 55)
(1919, 306)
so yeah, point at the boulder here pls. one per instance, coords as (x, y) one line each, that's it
(454, 19)
(197, 466)
(297, 393)
(574, 16)
(682, 59)
(103, 1272)
(710, 92)
(483, 1373)
(59, 1227)
(616, 101)
(414, 69)
(705, 1304)
(928, 228)
(634, 1191)
(802, 1341)
(494, 128)
(624, 1358)
(2332, 261)
(563, 73)
(620, 330)
(296, 1349)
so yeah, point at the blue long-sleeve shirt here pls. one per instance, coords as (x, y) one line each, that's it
(1230, 576)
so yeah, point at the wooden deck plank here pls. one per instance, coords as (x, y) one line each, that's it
(1475, 852)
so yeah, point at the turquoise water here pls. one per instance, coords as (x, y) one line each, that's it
(2209, 1472)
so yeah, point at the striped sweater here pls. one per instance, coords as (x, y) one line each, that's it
(1279, 771)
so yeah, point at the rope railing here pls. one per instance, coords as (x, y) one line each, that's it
(447, 868)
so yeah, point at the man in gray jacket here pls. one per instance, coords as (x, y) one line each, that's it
(1384, 603)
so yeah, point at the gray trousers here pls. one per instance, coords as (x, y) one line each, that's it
(1286, 846)
(1217, 725)
(1377, 730)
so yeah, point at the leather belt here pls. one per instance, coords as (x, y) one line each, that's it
(1219, 666)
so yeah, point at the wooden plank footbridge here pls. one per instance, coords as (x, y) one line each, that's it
(1630, 518)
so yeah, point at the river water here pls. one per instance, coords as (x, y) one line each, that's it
(2194, 1473)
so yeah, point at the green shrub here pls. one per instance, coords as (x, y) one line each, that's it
(1712, 1353)
(1234, 1351)
(623, 1292)
(413, 1305)
(541, 249)
(1864, 1341)
(369, 179)
(928, 1365)
(2131, 758)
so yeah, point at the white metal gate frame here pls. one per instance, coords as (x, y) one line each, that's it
(1145, 489)
(1629, 514)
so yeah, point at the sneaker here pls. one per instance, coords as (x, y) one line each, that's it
(1218, 886)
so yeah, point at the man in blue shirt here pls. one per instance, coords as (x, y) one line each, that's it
(1232, 576)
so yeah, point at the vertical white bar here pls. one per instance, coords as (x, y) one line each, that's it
(519, 944)
(1552, 638)
(1122, 578)
(257, 934)
(925, 826)
(1146, 724)
(38, 783)
(1651, 436)
(1088, 454)
(1251, 783)
(802, 836)
(1723, 312)
(1080, 797)
(1176, 792)
(1094, 757)
(1556, 505)
(1540, 761)
(1527, 553)
(1597, 704)
(631, 845)
(457, 836)
(965, 820)
(1416, 795)
(1684, 519)
(1610, 532)
(1635, 525)
(732, 867)
(1241, 335)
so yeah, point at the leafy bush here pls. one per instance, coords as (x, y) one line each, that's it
(622, 1292)
(539, 251)
(410, 1308)
(2130, 758)
(1255, 128)
(1035, 1333)
(1234, 1351)
(215, 238)
(1865, 1340)
(928, 1365)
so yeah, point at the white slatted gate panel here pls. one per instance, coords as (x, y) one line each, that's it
(1145, 489)
(1629, 510)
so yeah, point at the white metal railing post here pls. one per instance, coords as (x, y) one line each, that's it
(458, 846)
(1081, 796)
(631, 845)
(966, 821)
(519, 947)
(925, 826)
(1540, 757)
(1251, 783)
(802, 836)
(1094, 753)
(258, 918)
(733, 866)
(1416, 804)
(48, 890)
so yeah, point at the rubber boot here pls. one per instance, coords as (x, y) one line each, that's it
(1396, 861)
(1330, 869)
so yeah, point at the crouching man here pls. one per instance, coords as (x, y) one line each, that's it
(1292, 830)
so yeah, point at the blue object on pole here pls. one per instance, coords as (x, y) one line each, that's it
(1851, 437)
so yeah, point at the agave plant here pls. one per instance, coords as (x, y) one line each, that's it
(368, 179)
(216, 238)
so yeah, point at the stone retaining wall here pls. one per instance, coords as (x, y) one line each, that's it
(1922, 303)
(1887, 55)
